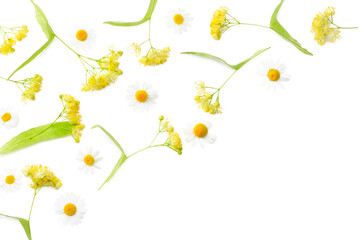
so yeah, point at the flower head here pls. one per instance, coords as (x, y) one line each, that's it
(205, 100)
(198, 132)
(141, 97)
(136, 48)
(8, 46)
(322, 27)
(32, 86)
(21, 33)
(218, 23)
(274, 73)
(155, 57)
(41, 177)
(173, 141)
(89, 160)
(71, 208)
(10, 181)
(9, 117)
(10, 36)
(179, 20)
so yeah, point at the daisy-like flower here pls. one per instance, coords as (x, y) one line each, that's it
(198, 133)
(82, 38)
(10, 181)
(89, 160)
(9, 117)
(179, 20)
(71, 208)
(275, 74)
(141, 97)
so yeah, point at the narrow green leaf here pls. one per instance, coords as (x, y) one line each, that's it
(26, 225)
(235, 67)
(147, 17)
(206, 55)
(111, 137)
(239, 65)
(32, 57)
(37, 134)
(121, 160)
(277, 27)
(43, 22)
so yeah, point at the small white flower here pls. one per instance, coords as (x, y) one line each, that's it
(9, 117)
(89, 160)
(141, 97)
(275, 75)
(82, 38)
(179, 20)
(10, 181)
(71, 208)
(198, 133)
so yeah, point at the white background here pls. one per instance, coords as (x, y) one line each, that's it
(285, 164)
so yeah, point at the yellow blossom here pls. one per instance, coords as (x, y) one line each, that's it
(218, 23)
(21, 34)
(7, 46)
(174, 140)
(34, 87)
(204, 100)
(41, 177)
(136, 48)
(155, 57)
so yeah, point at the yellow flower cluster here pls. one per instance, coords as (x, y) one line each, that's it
(155, 57)
(136, 48)
(34, 87)
(72, 107)
(108, 64)
(321, 27)
(204, 100)
(218, 23)
(174, 140)
(41, 177)
(8, 45)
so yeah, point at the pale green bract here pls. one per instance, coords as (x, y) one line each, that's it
(26, 225)
(276, 26)
(147, 17)
(235, 67)
(42, 21)
(36, 135)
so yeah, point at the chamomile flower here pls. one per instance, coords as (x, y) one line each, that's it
(89, 160)
(198, 133)
(82, 38)
(71, 208)
(10, 181)
(179, 20)
(9, 117)
(141, 97)
(275, 74)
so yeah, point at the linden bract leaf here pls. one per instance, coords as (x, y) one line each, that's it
(26, 225)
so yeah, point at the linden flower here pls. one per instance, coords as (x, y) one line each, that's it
(9, 117)
(71, 208)
(155, 57)
(41, 177)
(174, 140)
(32, 86)
(10, 36)
(219, 23)
(205, 100)
(274, 73)
(135, 48)
(179, 20)
(82, 37)
(198, 132)
(89, 160)
(141, 97)
(11, 181)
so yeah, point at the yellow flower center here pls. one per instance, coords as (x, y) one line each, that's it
(200, 130)
(89, 160)
(10, 179)
(178, 19)
(141, 95)
(273, 75)
(6, 117)
(70, 209)
(81, 35)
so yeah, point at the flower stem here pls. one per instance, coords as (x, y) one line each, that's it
(257, 25)
(226, 80)
(4, 215)
(32, 204)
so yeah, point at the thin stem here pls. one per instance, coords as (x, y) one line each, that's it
(159, 145)
(154, 138)
(226, 80)
(144, 42)
(4, 215)
(67, 46)
(32, 204)
(150, 32)
(251, 24)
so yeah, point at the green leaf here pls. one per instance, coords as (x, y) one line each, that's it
(121, 160)
(206, 55)
(43, 22)
(37, 134)
(235, 67)
(146, 17)
(32, 57)
(276, 26)
(26, 225)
